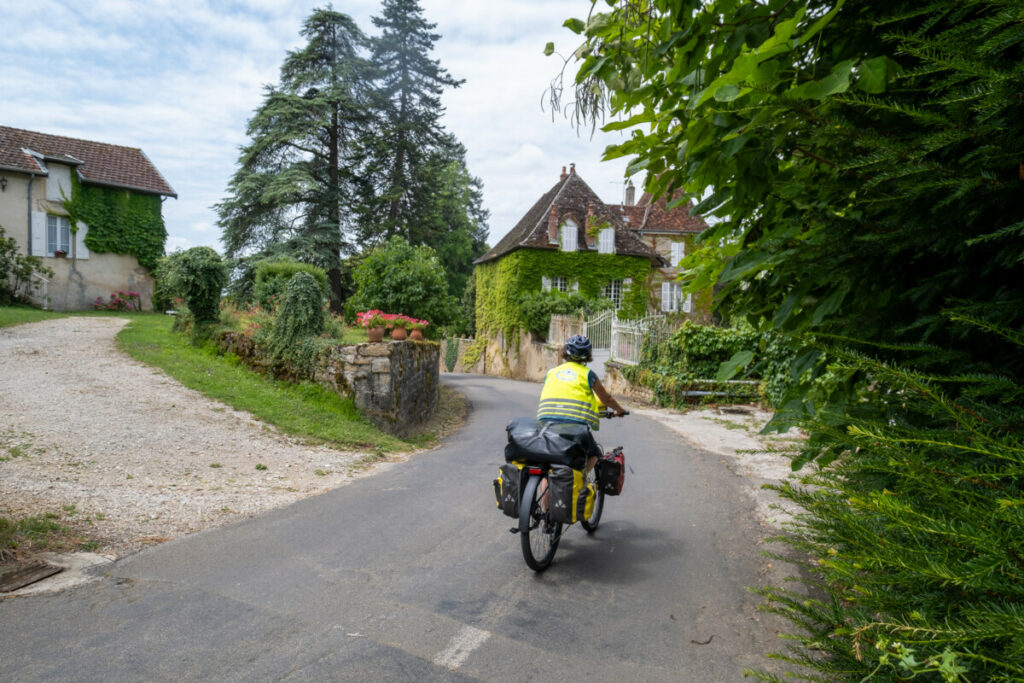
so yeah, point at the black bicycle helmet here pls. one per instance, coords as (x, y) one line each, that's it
(578, 348)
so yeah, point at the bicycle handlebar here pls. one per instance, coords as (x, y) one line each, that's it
(609, 413)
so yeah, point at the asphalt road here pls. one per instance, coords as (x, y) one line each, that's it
(412, 574)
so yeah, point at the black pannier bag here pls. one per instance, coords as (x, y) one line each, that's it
(506, 488)
(612, 472)
(548, 443)
(560, 494)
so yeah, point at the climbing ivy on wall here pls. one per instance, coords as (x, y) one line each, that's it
(120, 221)
(501, 283)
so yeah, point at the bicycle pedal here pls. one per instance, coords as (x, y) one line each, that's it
(514, 530)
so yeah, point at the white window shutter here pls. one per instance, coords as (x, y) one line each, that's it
(688, 304)
(570, 236)
(81, 251)
(575, 285)
(545, 283)
(38, 233)
(678, 252)
(666, 297)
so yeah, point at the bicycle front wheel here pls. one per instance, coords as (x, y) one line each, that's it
(537, 533)
(590, 523)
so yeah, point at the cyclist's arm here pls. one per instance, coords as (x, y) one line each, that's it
(607, 398)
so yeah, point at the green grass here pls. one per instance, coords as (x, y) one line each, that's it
(304, 410)
(24, 533)
(16, 315)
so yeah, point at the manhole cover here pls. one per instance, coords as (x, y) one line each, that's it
(19, 576)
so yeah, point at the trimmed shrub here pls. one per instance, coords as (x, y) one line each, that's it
(197, 276)
(271, 278)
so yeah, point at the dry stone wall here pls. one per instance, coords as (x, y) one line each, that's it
(394, 384)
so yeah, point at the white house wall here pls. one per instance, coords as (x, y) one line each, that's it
(77, 281)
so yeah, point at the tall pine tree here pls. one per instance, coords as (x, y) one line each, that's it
(408, 107)
(297, 179)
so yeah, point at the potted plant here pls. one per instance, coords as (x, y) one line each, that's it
(398, 326)
(416, 328)
(374, 321)
(60, 253)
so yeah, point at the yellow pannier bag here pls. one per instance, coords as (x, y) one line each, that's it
(507, 486)
(570, 499)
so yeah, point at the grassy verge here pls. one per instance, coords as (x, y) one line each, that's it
(15, 315)
(22, 536)
(304, 410)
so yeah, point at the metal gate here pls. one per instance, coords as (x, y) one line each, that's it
(599, 329)
(628, 336)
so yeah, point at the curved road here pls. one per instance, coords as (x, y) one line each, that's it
(412, 574)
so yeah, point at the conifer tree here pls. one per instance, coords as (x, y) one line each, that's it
(408, 112)
(298, 177)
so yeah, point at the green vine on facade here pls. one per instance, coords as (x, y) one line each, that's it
(120, 221)
(475, 351)
(501, 283)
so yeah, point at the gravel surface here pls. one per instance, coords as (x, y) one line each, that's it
(128, 455)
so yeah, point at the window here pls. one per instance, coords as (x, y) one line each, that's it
(613, 291)
(559, 283)
(606, 241)
(678, 252)
(58, 235)
(672, 299)
(570, 236)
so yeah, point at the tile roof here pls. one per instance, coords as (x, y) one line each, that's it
(97, 162)
(571, 198)
(656, 217)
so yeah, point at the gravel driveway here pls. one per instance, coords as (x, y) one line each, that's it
(128, 454)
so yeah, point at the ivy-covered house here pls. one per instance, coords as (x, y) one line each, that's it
(671, 233)
(90, 210)
(572, 241)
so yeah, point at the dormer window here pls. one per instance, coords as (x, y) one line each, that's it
(678, 252)
(570, 236)
(606, 241)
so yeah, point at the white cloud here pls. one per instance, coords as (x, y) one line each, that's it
(180, 78)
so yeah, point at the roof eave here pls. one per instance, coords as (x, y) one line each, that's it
(133, 188)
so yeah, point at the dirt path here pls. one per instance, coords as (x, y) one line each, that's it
(127, 455)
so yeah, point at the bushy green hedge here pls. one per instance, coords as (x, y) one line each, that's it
(271, 278)
(536, 308)
(913, 534)
(197, 276)
(691, 357)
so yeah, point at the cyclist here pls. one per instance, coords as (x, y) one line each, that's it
(573, 393)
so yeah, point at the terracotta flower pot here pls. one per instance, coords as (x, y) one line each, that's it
(415, 334)
(398, 333)
(376, 334)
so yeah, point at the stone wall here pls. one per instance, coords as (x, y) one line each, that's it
(462, 345)
(620, 387)
(394, 384)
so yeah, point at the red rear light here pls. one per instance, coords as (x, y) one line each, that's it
(536, 470)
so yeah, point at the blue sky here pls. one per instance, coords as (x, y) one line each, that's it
(180, 79)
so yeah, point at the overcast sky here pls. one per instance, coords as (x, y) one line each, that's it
(180, 79)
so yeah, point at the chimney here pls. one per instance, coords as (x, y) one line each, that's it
(630, 194)
(553, 225)
(564, 174)
(572, 169)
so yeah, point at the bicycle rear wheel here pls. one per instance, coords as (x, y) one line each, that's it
(590, 523)
(538, 535)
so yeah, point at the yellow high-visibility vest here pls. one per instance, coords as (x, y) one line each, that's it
(567, 396)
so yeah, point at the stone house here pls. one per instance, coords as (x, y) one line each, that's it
(671, 233)
(90, 210)
(570, 240)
